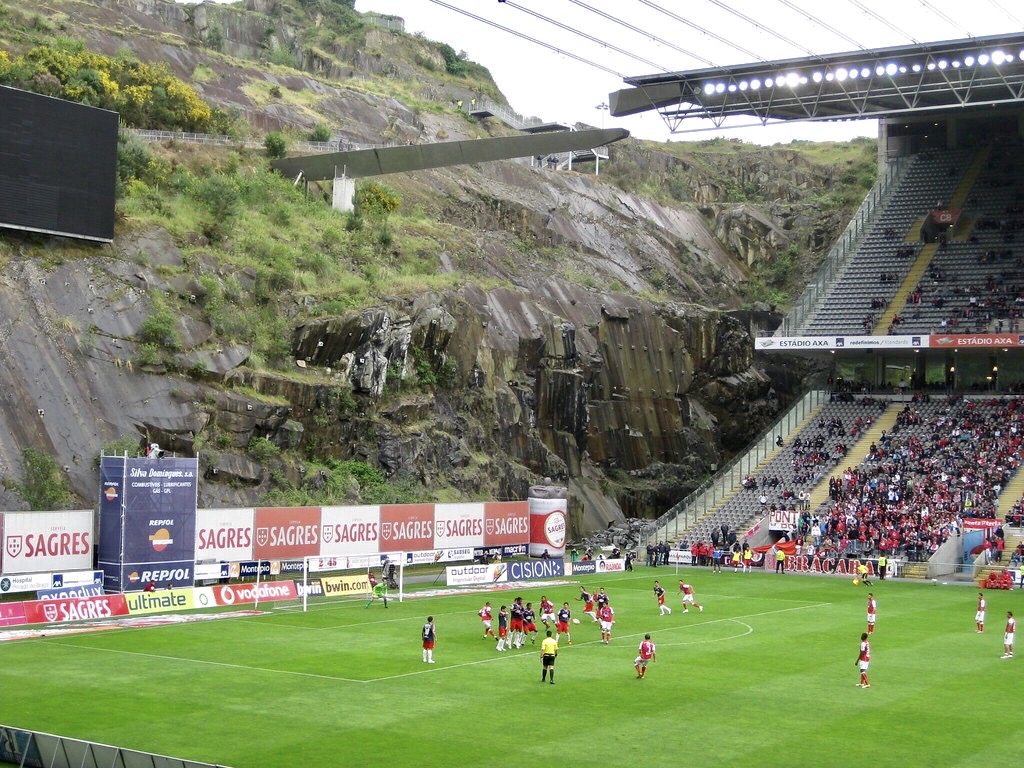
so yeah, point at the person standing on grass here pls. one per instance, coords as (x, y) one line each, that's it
(562, 623)
(502, 628)
(548, 653)
(1011, 628)
(979, 615)
(485, 618)
(529, 623)
(429, 634)
(688, 599)
(863, 660)
(518, 637)
(872, 612)
(645, 654)
(606, 615)
(659, 592)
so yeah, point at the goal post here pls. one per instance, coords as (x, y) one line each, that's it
(350, 578)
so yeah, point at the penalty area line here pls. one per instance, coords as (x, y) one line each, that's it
(221, 664)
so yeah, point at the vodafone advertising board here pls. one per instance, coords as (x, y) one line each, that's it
(406, 527)
(286, 532)
(458, 525)
(349, 531)
(225, 534)
(47, 541)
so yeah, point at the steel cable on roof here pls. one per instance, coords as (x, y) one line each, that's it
(534, 40)
(636, 29)
(702, 30)
(584, 35)
(758, 25)
(824, 25)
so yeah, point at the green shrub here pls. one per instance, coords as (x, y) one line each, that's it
(320, 132)
(44, 486)
(262, 450)
(276, 145)
(160, 329)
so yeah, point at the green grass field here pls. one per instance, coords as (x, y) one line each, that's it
(764, 676)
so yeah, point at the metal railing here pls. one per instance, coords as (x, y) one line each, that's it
(718, 488)
(817, 289)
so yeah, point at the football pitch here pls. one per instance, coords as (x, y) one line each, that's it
(764, 676)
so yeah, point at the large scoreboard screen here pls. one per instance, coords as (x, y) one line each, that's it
(58, 166)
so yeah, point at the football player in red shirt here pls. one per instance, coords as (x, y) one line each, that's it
(645, 654)
(863, 659)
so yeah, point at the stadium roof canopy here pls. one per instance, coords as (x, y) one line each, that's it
(924, 77)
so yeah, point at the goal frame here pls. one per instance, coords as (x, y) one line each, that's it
(350, 567)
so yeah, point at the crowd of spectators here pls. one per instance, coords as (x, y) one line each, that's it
(938, 465)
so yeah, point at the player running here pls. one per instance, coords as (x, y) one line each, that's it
(606, 615)
(645, 654)
(659, 593)
(688, 600)
(547, 611)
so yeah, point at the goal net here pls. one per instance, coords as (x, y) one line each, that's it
(372, 579)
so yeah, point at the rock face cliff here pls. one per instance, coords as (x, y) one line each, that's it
(594, 338)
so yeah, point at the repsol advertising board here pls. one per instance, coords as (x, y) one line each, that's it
(138, 575)
(75, 609)
(527, 570)
(47, 541)
(160, 510)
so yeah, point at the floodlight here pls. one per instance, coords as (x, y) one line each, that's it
(968, 61)
(817, 77)
(890, 69)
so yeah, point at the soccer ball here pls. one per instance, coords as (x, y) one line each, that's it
(575, 621)
(856, 582)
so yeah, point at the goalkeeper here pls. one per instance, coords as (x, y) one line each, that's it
(377, 591)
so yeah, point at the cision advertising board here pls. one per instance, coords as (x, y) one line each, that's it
(148, 521)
